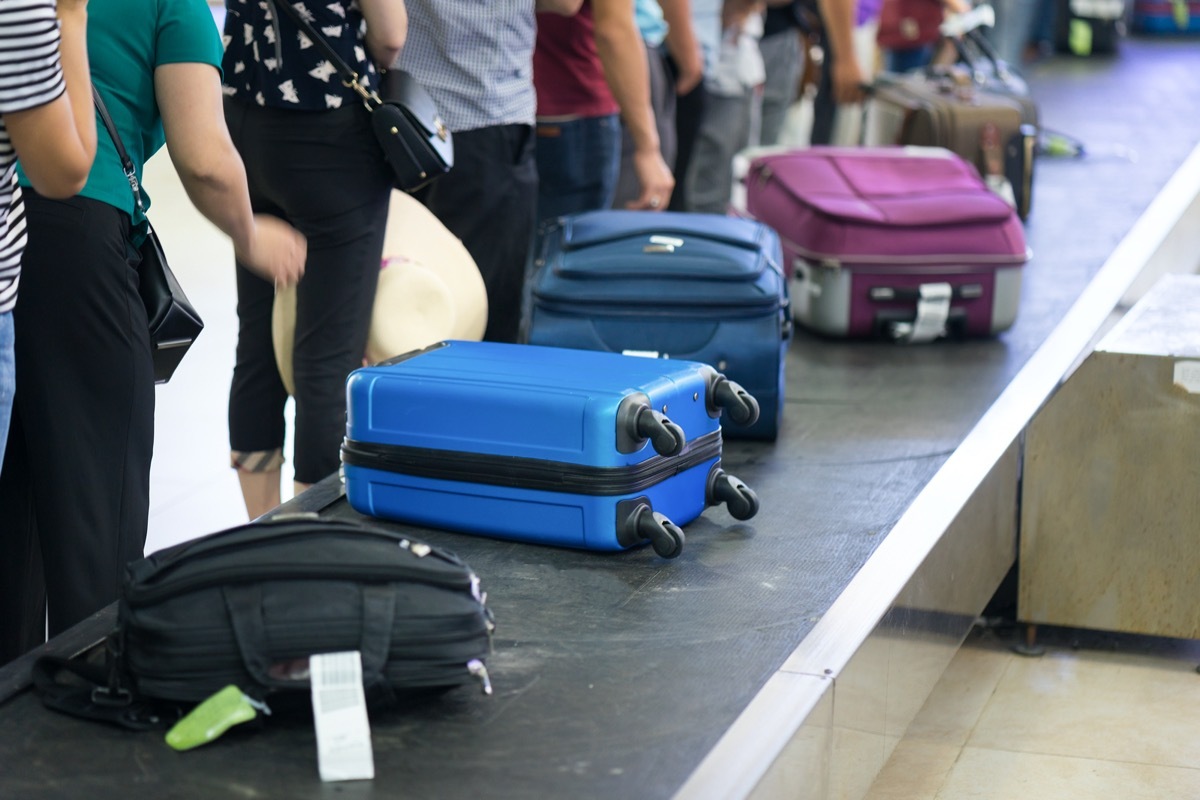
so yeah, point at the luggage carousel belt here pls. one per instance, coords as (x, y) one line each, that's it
(615, 674)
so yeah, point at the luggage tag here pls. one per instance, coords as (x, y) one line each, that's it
(209, 720)
(340, 715)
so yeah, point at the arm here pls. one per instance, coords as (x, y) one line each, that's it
(682, 45)
(837, 18)
(56, 142)
(387, 28)
(623, 56)
(568, 8)
(735, 12)
(189, 97)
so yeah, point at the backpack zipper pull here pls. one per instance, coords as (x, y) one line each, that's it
(476, 668)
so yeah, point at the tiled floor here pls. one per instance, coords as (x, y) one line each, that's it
(1097, 716)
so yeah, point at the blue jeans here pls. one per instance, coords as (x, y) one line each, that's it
(8, 376)
(578, 162)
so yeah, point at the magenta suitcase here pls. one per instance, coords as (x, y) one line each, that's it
(901, 242)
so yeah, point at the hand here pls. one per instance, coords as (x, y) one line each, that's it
(656, 180)
(277, 251)
(848, 80)
(691, 72)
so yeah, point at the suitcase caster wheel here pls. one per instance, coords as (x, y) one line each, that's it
(741, 405)
(739, 498)
(665, 536)
(665, 436)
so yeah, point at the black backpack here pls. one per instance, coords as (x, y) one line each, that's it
(248, 605)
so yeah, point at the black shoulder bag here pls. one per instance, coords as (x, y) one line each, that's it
(174, 323)
(416, 143)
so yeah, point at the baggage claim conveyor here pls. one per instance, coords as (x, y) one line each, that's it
(784, 656)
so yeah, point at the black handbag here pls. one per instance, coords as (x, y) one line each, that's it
(248, 605)
(416, 143)
(173, 321)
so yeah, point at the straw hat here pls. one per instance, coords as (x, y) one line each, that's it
(429, 289)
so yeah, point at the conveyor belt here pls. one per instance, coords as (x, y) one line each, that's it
(616, 674)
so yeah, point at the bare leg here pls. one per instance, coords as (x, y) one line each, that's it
(260, 491)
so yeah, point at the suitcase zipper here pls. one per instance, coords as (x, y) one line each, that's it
(959, 261)
(529, 473)
(738, 308)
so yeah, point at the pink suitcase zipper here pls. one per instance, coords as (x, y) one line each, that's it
(900, 242)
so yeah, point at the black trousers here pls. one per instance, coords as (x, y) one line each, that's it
(689, 113)
(489, 201)
(324, 173)
(824, 104)
(75, 484)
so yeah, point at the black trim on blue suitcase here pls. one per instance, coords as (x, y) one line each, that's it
(530, 473)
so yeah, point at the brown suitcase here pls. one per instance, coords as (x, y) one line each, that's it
(951, 109)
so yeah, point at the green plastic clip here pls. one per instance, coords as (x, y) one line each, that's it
(1079, 37)
(209, 720)
(1181, 14)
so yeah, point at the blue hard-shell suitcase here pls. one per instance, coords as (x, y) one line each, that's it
(697, 287)
(565, 447)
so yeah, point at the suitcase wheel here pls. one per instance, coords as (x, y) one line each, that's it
(665, 536)
(739, 498)
(741, 405)
(640, 422)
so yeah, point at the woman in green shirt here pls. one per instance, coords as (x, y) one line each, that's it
(75, 484)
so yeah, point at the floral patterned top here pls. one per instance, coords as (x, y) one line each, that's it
(271, 62)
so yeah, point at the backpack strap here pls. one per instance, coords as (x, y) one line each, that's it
(87, 690)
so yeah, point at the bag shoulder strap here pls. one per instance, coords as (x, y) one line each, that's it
(122, 153)
(349, 76)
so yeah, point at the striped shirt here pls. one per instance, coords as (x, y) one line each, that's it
(30, 76)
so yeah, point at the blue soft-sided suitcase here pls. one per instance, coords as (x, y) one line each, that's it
(698, 287)
(565, 447)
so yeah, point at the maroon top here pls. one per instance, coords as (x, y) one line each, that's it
(567, 72)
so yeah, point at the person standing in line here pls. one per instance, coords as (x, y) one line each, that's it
(75, 485)
(675, 65)
(476, 62)
(46, 119)
(590, 74)
(690, 105)
(843, 77)
(783, 60)
(725, 128)
(312, 159)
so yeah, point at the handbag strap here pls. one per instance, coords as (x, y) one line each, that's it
(122, 153)
(350, 78)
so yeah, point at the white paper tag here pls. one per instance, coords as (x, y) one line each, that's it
(1187, 375)
(933, 309)
(340, 716)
